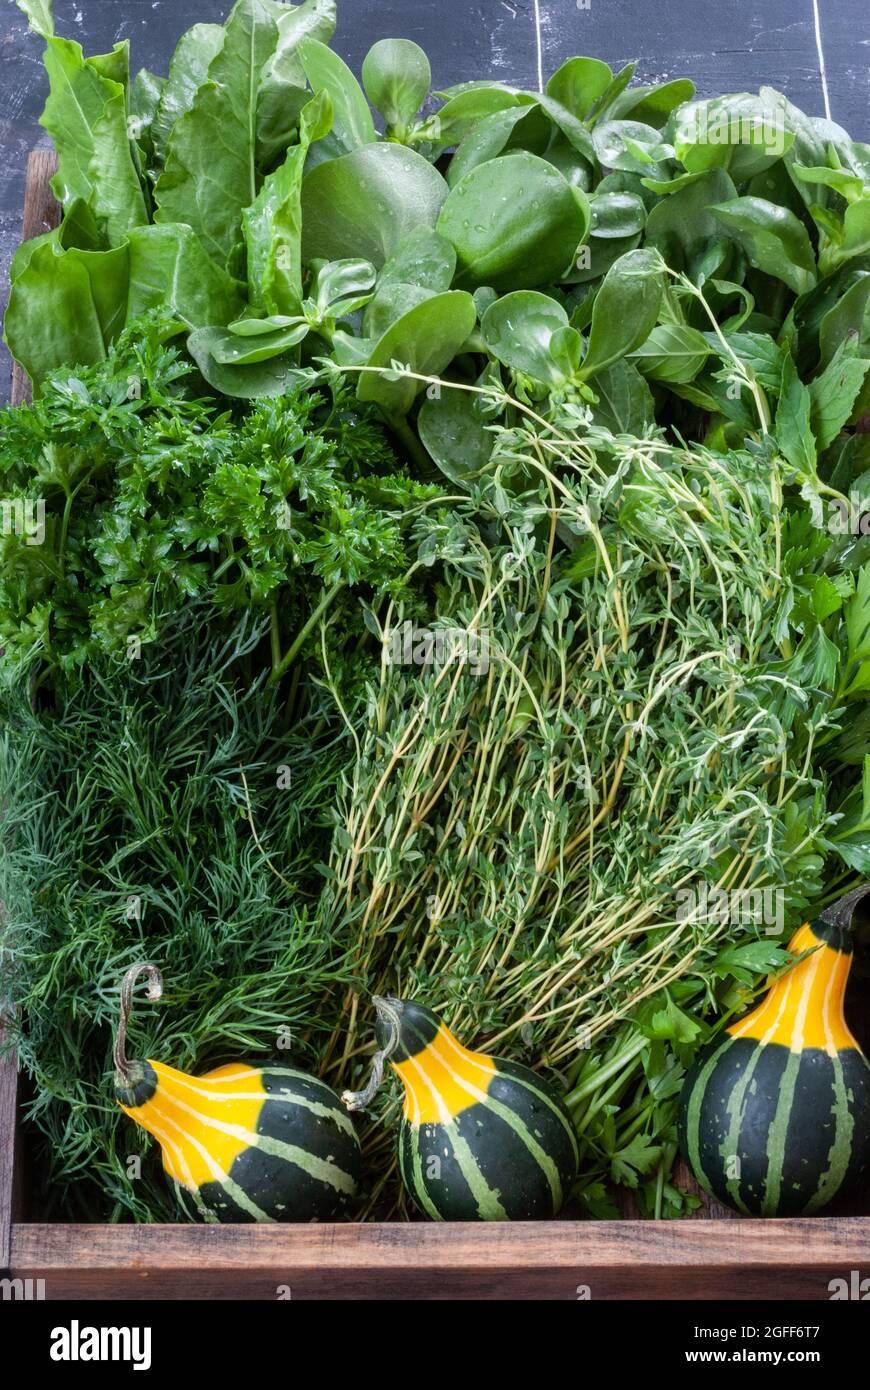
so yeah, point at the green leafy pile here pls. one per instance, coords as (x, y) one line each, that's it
(512, 232)
(619, 341)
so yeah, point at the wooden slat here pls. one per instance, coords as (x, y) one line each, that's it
(774, 1259)
(41, 214)
(8, 1127)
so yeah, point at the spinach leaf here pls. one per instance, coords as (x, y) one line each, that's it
(683, 225)
(273, 222)
(170, 269)
(188, 69)
(653, 105)
(673, 352)
(282, 92)
(611, 93)
(515, 223)
(207, 181)
(850, 240)
(793, 425)
(834, 391)
(633, 148)
(849, 314)
(39, 15)
(574, 131)
(145, 93)
(741, 132)
(857, 673)
(65, 307)
(77, 229)
(86, 115)
(625, 403)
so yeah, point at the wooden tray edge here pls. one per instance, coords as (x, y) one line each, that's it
(41, 214)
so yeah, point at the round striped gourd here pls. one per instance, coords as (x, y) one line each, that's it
(775, 1114)
(243, 1143)
(481, 1139)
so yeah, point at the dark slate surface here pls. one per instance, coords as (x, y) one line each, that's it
(817, 51)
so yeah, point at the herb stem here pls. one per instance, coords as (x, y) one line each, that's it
(314, 619)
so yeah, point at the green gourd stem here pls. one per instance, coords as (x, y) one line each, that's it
(361, 1100)
(155, 990)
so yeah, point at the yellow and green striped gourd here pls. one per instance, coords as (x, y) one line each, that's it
(775, 1114)
(481, 1139)
(242, 1142)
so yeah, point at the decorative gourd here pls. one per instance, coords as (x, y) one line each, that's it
(481, 1139)
(242, 1143)
(775, 1114)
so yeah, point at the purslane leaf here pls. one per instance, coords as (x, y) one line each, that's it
(366, 203)
(515, 223)
(625, 311)
(518, 331)
(396, 76)
(774, 239)
(425, 340)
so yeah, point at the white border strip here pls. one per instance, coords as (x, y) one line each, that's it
(540, 42)
(821, 52)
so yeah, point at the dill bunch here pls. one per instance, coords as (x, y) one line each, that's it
(136, 827)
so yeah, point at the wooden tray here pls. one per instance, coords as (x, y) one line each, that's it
(717, 1256)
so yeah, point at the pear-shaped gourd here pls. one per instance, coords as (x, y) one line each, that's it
(775, 1114)
(480, 1139)
(244, 1142)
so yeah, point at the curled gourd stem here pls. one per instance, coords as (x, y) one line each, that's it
(155, 989)
(849, 912)
(361, 1100)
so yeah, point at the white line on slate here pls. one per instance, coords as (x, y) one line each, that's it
(540, 42)
(821, 52)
